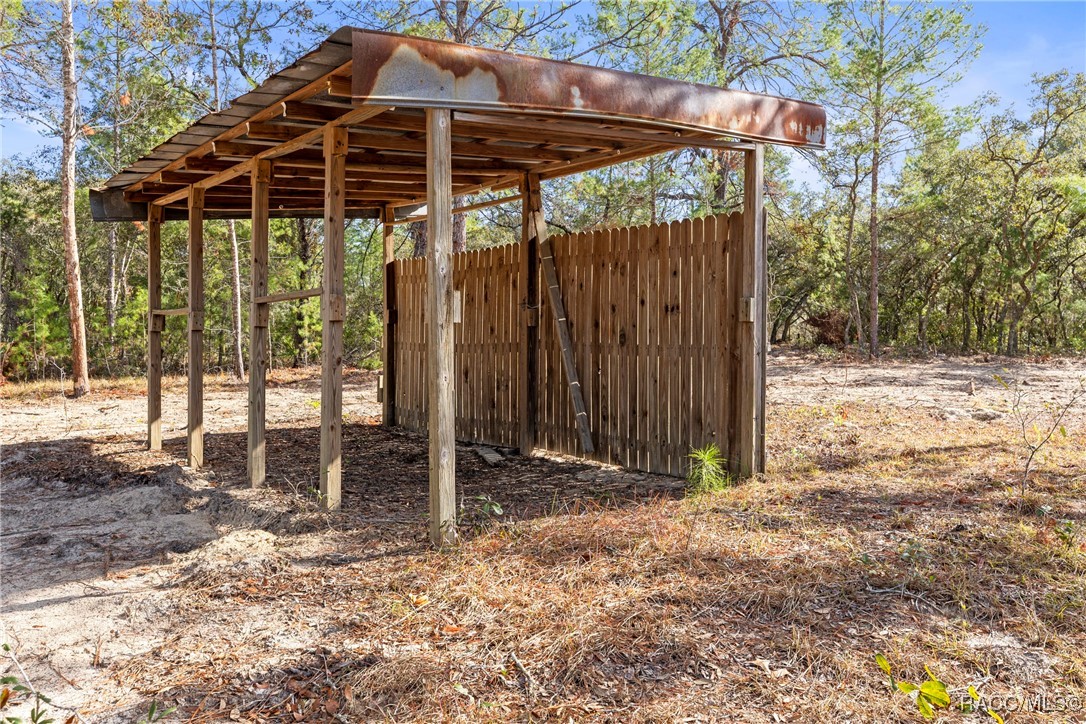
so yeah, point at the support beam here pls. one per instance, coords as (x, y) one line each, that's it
(155, 325)
(295, 144)
(388, 346)
(461, 209)
(439, 319)
(751, 331)
(291, 296)
(561, 321)
(258, 324)
(528, 348)
(196, 329)
(333, 310)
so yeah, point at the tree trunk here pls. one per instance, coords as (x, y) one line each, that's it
(854, 317)
(873, 293)
(239, 353)
(417, 232)
(80, 374)
(301, 342)
(235, 277)
(111, 293)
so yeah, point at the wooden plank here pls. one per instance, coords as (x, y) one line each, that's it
(722, 295)
(196, 329)
(688, 308)
(388, 344)
(751, 332)
(528, 352)
(306, 91)
(440, 371)
(655, 410)
(258, 325)
(462, 355)
(305, 140)
(464, 209)
(155, 215)
(596, 352)
(641, 243)
(179, 312)
(734, 302)
(670, 360)
(626, 341)
(761, 323)
(609, 339)
(333, 303)
(712, 389)
(554, 292)
(265, 299)
(511, 326)
(697, 336)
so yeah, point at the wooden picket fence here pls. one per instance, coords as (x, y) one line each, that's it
(652, 312)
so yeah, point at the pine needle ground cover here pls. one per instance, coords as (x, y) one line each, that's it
(891, 526)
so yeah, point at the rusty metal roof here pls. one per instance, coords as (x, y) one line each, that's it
(511, 114)
(397, 70)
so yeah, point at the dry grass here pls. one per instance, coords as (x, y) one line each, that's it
(108, 387)
(876, 530)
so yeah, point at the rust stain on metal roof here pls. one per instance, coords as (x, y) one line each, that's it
(408, 71)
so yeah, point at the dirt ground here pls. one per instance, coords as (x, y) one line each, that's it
(888, 522)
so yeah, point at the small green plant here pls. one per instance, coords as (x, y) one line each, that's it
(155, 713)
(12, 688)
(929, 696)
(1067, 531)
(932, 694)
(707, 473)
(481, 516)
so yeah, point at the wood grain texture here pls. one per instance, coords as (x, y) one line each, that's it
(333, 304)
(196, 329)
(528, 317)
(388, 345)
(751, 333)
(598, 276)
(258, 325)
(155, 215)
(440, 330)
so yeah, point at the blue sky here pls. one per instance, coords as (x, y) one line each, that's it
(1023, 38)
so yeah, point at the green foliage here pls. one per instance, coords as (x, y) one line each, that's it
(708, 471)
(156, 713)
(932, 694)
(483, 514)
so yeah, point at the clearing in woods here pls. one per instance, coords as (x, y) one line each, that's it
(884, 525)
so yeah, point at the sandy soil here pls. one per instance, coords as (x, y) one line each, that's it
(941, 383)
(104, 543)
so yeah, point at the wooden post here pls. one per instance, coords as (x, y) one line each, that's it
(333, 310)
(196, 328)
(751, 332)
(528, 279)
(439, 318)
(388, 346)
(763, 347)
(258, 323)
(155, 325)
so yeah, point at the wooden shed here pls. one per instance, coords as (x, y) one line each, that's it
(624, 345)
